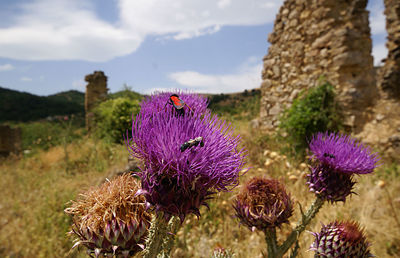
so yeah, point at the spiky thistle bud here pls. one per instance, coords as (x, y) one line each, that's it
(110, 219)
(185, 159)
(336, 159)
(330, 185)
(341, 239)
(263, 203)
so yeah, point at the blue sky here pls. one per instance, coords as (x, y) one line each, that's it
(214, 46)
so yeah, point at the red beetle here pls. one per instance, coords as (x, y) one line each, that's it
(176, 101)
(178, 104)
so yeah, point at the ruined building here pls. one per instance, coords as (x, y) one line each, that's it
(390, 72)
(10, 140)
(331, 38)
(383, 129)
(96, 91)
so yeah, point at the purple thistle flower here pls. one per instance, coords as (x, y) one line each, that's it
(337, 158)
(263, 203)
(341, 239)
(178, 181)
(342, 153)
(330, 185)
(159, 102)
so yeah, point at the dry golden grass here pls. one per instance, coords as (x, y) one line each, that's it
(375, 207)
(35, 191)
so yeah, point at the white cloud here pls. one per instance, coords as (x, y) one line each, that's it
(377, 18)
(247, 76)
(158, 89)
(71, 30)
(378, 30)
(197, 33)
(26, 79)
(223, 3)
(193, 17)
(6, 67)
(379, 52)
(64, 30)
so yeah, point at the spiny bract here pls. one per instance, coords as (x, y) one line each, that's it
(110, 219)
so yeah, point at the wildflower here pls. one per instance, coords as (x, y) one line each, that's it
(263, 203)
(330, 185)
(160, 102)
(110, 219)
(337, 159)
(176, 180)
(342, 153)
(341, 239)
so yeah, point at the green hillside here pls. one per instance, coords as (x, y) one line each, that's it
(23, 107)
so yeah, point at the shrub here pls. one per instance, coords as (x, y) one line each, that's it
(114, 117)
(45, 134)
(313, 111)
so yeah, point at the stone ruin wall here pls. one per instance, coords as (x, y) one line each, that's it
(10, 140)
(96, 91)
(383, 129)
(332, 38)
(314, 38)
(390, 72)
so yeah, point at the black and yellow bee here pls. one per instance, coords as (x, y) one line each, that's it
(192, 142)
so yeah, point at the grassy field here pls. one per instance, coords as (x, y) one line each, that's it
(36, 188)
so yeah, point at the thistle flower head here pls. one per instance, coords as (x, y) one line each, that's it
(160, 102)
(263, 203)
(342, 153)
(336, 159)
(185, 160)
(110, 219)
(330, 185)
(341, 239)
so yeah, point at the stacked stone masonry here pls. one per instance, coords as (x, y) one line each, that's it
(331, 38)
(314, 38)
(96, 91)
(383, 130)
(390, 72)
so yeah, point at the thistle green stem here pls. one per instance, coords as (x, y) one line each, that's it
(157, 232)
(295, 250)
(301, 226)
(276, 251)
(173, 226)
(272, 244)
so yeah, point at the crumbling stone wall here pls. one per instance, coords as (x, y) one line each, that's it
(383, 130)
(10, 140)
(390, 72)
(314, 38)
(96, 91)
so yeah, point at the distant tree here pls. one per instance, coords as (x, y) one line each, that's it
(114, 117)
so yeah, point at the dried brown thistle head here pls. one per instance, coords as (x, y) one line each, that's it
(263, 203)
(111, 219)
